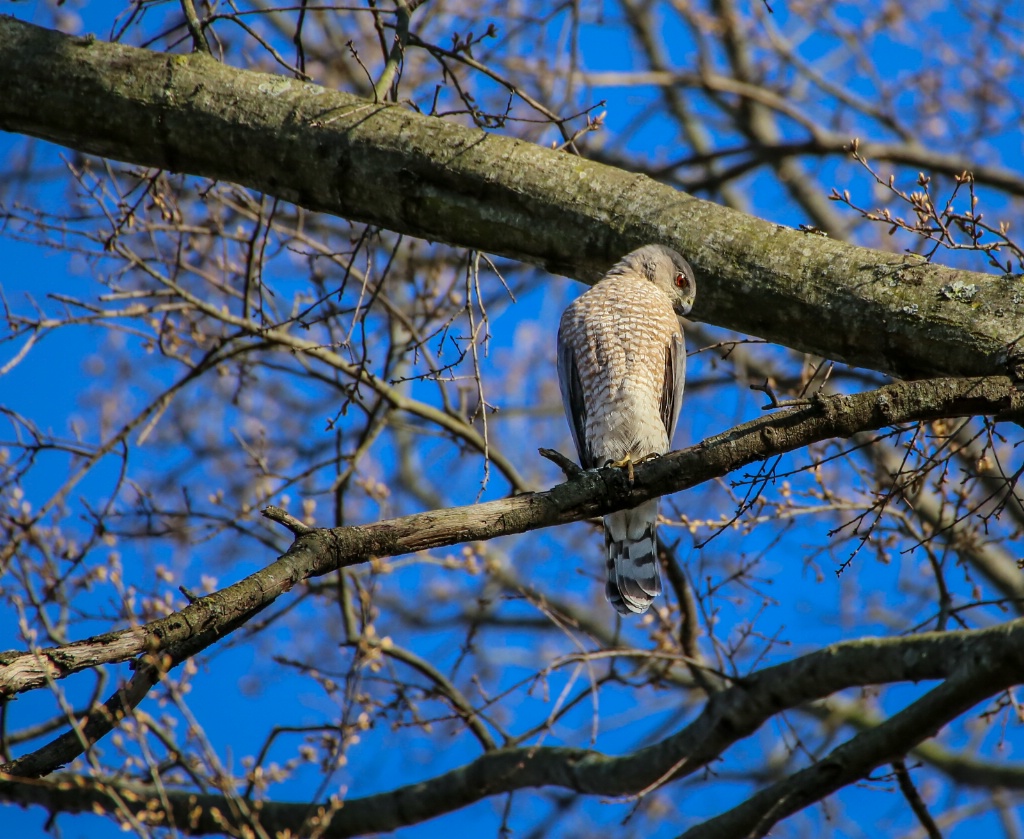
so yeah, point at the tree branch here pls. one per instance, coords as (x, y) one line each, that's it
(429, 178)
(974, 680)
(914, 799)
(974, 663)
(593, 493)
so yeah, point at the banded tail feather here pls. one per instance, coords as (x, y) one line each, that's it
(634, 579)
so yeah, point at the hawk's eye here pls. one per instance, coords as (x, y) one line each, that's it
(681, 281)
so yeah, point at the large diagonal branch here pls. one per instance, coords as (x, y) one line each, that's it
(974, 664)
(977, 677)
(590, 494)
(430, 178)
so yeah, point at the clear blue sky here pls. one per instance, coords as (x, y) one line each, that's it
(239, 684)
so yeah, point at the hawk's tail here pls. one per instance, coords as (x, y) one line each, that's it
(633, 576)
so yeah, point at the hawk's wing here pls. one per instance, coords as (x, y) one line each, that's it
(675, 378)
(572, 398)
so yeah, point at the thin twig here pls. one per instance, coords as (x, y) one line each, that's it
(195, 28)
(914, 799)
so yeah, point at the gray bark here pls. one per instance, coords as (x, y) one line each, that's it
(591, 493)
(426, 177)
(974, 664)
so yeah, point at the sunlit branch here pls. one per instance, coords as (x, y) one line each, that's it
(593, 493)
(337, 153)
(973, 679)
(974, 664)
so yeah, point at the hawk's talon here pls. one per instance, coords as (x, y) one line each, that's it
(627, 464)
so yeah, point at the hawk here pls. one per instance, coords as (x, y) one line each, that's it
(621, 368)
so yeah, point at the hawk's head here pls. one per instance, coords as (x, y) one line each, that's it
(667, 270)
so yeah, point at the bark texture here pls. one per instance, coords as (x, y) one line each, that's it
(591, 493)
(430, 178)
(975, 664)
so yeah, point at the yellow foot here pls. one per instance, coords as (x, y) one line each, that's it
(627, 464)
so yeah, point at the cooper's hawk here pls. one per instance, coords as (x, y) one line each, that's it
(621, 366)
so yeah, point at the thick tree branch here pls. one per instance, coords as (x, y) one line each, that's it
(430, 178)
(975, 680)
(975, 664)
(593, 493)
(103, 719)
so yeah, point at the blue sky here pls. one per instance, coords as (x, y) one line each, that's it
(238, 681)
